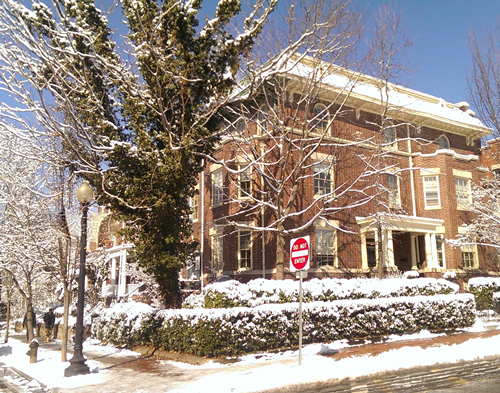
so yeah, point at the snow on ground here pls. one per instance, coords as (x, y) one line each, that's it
(254, 372)
(49, 369)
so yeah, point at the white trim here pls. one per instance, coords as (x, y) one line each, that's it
(464, 174)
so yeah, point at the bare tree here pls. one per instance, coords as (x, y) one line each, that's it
(484, 77)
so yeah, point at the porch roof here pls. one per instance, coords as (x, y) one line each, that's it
(399, 222)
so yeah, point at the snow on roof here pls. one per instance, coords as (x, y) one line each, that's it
(371, 89)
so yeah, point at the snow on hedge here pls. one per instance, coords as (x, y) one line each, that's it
(483, 289)
(484, 282)
(261, 291)
(234, 331)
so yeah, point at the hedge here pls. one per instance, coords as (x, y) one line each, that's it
(230, 332)
(483, 289)
(260, 291)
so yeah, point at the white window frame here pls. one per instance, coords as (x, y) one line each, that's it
(248, 258)
(194, 203)
(244, 175)
(217, 179)
(394, 195)
(326, 254)
(469, 250)
(217, 252)
(428, 189)
(440, 250)
(324, 176)
(462, 192)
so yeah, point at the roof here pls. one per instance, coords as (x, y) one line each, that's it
(370, 94)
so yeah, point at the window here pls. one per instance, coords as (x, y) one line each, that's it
(431, 191)
(262, 122)
(496, 173)
(440, 250)
(389, 137)
(462, 191)
(325, 247)
(194, 207)
(245, 249)
(469, 256)
(321, 118)
(443, 142)
(245, 186)
(217, 261)
(322, 178)
(393, 191)
(240, 126)
(217, 189)
(371, 252)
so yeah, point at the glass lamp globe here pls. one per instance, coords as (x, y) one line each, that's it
(84, 193)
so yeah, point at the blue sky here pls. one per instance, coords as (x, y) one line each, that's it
(440, 32)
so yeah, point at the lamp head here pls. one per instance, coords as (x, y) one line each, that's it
(84, 193)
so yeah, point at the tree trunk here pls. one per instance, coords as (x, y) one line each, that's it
(7, 319)
(280, 254)
(30, 321)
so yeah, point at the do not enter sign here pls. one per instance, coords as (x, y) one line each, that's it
(299, 253)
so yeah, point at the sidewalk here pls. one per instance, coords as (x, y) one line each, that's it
(122, 372)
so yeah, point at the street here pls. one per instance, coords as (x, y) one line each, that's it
(477, 376)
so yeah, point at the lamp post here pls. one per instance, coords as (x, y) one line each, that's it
(84, 194)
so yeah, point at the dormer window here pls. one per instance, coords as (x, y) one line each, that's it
(321, 118)
(389, 137)
(262, 122)
(443, 142)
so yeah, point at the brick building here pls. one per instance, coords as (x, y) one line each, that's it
(377, 175)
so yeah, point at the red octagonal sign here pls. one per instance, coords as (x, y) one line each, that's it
(299, 253)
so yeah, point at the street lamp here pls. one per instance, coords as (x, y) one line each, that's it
(84, 194)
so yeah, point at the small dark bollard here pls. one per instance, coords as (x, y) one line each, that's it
(33, 351)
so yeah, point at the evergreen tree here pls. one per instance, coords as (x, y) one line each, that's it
(172, 120)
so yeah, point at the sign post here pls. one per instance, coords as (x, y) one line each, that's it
(300, 263)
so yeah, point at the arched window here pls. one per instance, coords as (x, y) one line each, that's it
(262, 122)
(443, 142)
(321, 118)
(240, 126)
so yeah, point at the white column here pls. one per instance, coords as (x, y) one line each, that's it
(114, 279)
(377, 254)
(428, 250)
(413, 247)
(364, 255)
(390, 250)
(435, 263)
(385, 253)
(123, 273)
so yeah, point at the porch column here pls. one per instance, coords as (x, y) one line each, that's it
(122, 281)
(384, 248)
(435, 263)
(377, 253)
(390, 250)
(428, 250)
(413, 245)
(364, 254)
